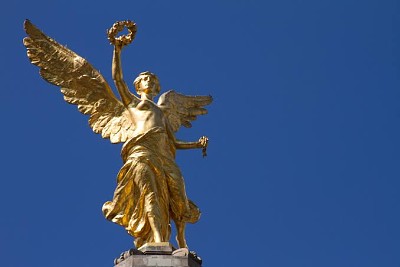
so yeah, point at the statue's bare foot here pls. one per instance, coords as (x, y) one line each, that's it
(181, 241)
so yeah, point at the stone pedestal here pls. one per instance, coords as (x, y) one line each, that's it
(158, 254)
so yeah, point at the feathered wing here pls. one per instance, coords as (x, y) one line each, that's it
(181, 109)
(81, 84)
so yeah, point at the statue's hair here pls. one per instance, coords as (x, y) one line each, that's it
(140, 77)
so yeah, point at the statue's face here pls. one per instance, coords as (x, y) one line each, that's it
(148, 84)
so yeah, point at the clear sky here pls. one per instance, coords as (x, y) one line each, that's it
(303, 167)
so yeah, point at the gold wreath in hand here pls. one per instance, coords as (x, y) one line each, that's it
(118, 27)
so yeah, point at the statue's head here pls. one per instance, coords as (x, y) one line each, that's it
(147, 81)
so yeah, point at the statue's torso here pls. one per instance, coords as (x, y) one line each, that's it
(147, 115)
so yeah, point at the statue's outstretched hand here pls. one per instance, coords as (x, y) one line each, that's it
(203, 143)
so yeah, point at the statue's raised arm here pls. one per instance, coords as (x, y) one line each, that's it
(119, 43)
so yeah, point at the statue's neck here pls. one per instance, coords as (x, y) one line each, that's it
(145, 96)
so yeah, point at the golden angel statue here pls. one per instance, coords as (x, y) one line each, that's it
(150, 187)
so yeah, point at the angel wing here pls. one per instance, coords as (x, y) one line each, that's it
(181, 109)
(81, 84)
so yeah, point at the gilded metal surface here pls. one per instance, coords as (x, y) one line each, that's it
(150, 187)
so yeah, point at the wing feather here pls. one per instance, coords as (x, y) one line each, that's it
(181, 109)
(80, 83)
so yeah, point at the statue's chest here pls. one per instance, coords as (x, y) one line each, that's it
(147, 108)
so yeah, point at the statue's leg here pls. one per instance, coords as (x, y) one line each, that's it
(179, 205)
(178, 200)
(146, 179)
(155, 226)
(180, 237)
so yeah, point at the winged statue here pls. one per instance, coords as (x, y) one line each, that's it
(150, 190)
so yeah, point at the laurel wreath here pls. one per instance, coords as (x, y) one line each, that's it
(118, 27)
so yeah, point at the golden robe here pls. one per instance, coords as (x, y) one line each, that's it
(150, 184)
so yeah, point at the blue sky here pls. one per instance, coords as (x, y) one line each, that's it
(303, 164)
